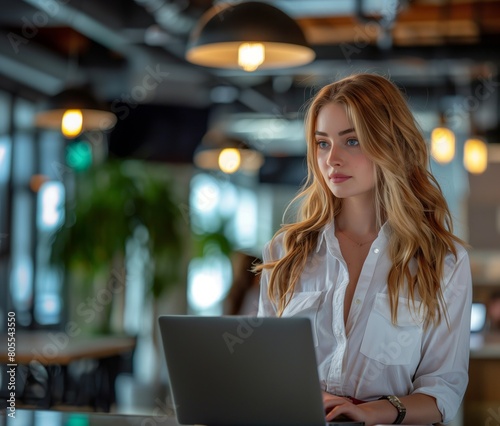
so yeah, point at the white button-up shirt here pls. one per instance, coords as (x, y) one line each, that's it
(370, 357)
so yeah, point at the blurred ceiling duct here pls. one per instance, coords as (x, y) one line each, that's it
(170, 15)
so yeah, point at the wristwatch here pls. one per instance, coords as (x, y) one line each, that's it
(394, 400)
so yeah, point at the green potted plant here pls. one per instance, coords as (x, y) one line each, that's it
(109, 205)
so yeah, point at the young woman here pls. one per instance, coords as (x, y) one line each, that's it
(373, 262)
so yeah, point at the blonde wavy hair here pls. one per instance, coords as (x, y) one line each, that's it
(407, 197)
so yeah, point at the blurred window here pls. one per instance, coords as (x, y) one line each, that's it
(32, 197)
(224, 211)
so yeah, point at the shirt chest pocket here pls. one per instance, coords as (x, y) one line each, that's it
(305, 304)
(388, 343)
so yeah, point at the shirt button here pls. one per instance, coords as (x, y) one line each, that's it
(376, 250)
(357, 301)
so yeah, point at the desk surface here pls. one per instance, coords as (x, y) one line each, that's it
(60, 418)
(57, 347)
(63, 418)
(485, 345)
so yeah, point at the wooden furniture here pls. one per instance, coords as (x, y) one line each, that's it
(70, 369)
(482, 398)
(60, 348)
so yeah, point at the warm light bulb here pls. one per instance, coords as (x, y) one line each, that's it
(229, 160)
(442, 145)
(72, 123)
(475, 156)
(250, 56)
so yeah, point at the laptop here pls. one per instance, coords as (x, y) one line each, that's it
(243, 371)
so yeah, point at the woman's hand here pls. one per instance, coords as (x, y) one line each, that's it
(371, 413)
(336, 406)
(420, 409)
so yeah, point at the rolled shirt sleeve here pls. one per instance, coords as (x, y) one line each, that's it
(443, 370)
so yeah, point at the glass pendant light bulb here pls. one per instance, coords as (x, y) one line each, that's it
(442, 145)
(72, 123)
(251, 56)
(475, 156)
(229, 160)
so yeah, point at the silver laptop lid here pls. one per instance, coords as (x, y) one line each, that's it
(242, 370)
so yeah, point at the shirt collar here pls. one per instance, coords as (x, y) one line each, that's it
(329, 229)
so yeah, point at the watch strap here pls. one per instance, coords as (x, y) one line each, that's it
(396, 402)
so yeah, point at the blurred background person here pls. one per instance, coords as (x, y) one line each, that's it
(243, 296)
(493, 312)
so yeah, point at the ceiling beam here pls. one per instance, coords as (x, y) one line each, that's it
(32, 65)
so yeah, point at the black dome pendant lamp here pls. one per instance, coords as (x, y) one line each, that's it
(249, 35)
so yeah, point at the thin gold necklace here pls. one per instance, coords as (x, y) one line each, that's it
(355, 242)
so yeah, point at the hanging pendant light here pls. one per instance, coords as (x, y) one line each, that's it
(442, 145)
(475, 156)
(73, 111)
(229, 160)
(249, 36)
(220, 152)
(72, 123)
(442, 142)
